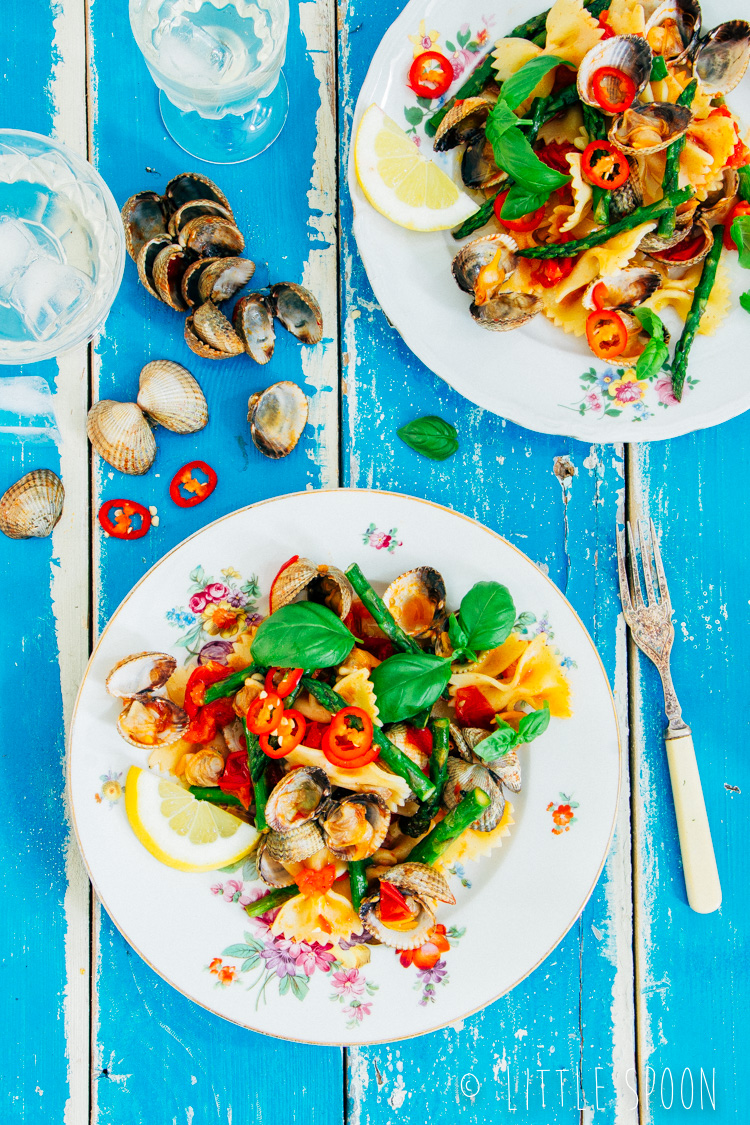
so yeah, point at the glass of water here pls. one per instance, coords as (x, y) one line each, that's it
(217, 63)
(62, 248)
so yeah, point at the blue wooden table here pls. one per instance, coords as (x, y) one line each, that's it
(643, 999)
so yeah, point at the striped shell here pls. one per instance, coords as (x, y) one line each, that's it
(628, 53)
(224, 278)
(191, 186)
(139, 672)
(416, 601)
(362, 815)
(203, 767)
(146, 261)
(298, 311)
(424, 920)
(271, 871)
(325, 584)
(296, 845)
(31, 507)
(297, 798)
(167, 274)
(143, 219)
(191, 281)
(210, 334)
(170, 395)
(420, 880)
(121, 435)
(134, 726)
(462, 778)
(506, 768)
(277, 417)
(195, 209)
(211, 236)
(253, 323)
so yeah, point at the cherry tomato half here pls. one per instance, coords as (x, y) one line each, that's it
(430, 74)
(286, 736)
(549, 271)
(613, 89)
(264, 713)
(122, 526)
(606, 333)
(526, 222)
(208, 719)
(287, 682)
(737, 212)
(393, 906)
(187, 490)
(604, 165)
(473, 709)
(201, 678)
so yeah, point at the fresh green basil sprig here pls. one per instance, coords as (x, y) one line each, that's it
(408, 682)
(431, 436)
(740, 232)
(302, 635)
(505, 738)
(520, 85)
(484, 620)
(656, 351)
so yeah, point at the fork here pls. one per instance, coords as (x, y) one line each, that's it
(652, 630)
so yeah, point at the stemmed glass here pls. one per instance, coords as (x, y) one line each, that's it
(217, 63)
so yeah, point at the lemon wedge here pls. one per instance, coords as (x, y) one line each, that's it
(181, 831)
(400, 182)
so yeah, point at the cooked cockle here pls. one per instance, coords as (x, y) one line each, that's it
(505, 768)
(630, 55)
(406, 737)
(325, 584)
(645, 129)
(721, 59)
(673, 27)
(355, 825)
(416, 889)
(416, 601)
(506, 311)
(148, 721)
(624, 289)
(297, 798)
(295, 845)
(270, 869)
(478, 167)
(698, 242)
(464, 121)
(203, 767)
(486, 263)
(141, 672)
(719, 202)
(463, 778)
(421, 880)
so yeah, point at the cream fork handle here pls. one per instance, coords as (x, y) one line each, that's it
(698, 860)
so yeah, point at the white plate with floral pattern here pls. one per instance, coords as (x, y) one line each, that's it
(513, 906)
(536, 375)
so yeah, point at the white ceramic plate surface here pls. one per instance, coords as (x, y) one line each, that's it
(536, 375)
(513, 906)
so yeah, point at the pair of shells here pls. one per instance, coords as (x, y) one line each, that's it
(31, 507)
(121, 432)
(480, 268)
(422, 887)
(277, 417)
(210, 334)
(505, 769)
(148, 718)
(325, 584)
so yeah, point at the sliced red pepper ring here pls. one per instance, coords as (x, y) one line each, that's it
(288, 679)
(265, 713)
(430, 74)
(604, 165)
(526, 222)
(122, 525)
(393, 907)
(606, 333)
(287, 735)
(187, 490)
(613, 89)
(201, 678)
(348, 741)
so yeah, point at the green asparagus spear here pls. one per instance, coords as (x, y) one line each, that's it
(390, 755)
(420, 822)
(597, 237)
(473, 85)
(271, 901)
(256, 763)
(450, 828)
(231, 684)
(698, 307)
(672, 165)
(214, 795)
(480, 218)
(377, 607)
(357, 882)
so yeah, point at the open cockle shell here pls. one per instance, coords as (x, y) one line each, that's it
(140, 672)
(224, 278)
(481, 252)
(722, 57)
(146, 261)
(191, 280)
(720, 202)
(210, 236)
(277, 417)
(253, 323)
(121, 435)
(647, 128)
(295, 845)
(298, 311)
(463, 777)
(297, 798)
(416, 601)
(624, 289)
(167, 274)
(461, 123)
(208, 326)
(271, 870)
(149, 722)
(673, 27)
(506, 311)
(355, 826)
(143, 219)
(630, 54)
(424, 920)
(190, 186)
(700, 251)
(194, 209)
(170, 395)
(421, 880)
(325, 584)
(479, 168)
(31, 507)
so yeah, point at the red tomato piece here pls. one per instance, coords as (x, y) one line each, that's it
(430, 74)
(122, 526)
(553, 155)
(236, 777)
(314, 734)
(201, 678)
(393, 905)
(473, 708)
(187, 490)
(204, 724)
(310, 882)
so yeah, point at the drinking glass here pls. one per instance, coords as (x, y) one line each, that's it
(62, 248)
(217, 63)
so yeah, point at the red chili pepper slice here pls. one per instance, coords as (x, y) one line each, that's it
(606, 333)
(288, 680)
(604, 24)
(430, 74)
(393, 905)
(739, 209)
(604, 165)
(204, 724)
(236, 777)
(279, 573)
(526, 222)
(186, 490)
(348, 741)
(613, 89)
(201, 678)
(287, 735)
(265, 713)
(122, 526)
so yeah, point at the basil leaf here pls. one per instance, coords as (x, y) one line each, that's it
(430, 436)
(740, 232)
(658, 69)
(517, 88)
(302, 635)
(498, 743)
(745, 301)
(534, 724)
(651, 360)
(487, 615)
(458, 638)
(650, 322)
(501, 118)
(514, 155)
(744, 189)
(407, 682)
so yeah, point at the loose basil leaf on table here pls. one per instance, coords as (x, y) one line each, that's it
(505, 738)
(520, 85)
(487, 615)
(431, 436)
(740, 232)
(656, 351)
(302, 635)
(534, 180)
(408, 682)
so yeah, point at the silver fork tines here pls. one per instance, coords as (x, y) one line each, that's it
(650, 623)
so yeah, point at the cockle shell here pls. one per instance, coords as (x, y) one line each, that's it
(298, 311)
(210, 236)
(190, 186)
(203, 767)
(296, 845)
(365, 815)
(191, 280)
(146, 261)
(135, 726)
(139, 672)
(722, 57)
(416, 601)
(420, 879)
(645, 129)
(623, 289)
(209, 334)
(253, 323)
(628, 53)
(474, 256)
(224, 278)
(121, 435)
(462, 121)
(462, 779)
(297, 798)
(167, 274)
(195, 209)
(171, 396)
(143, 219)
(277, 417)
(31, 507)
(324, 583)
(271, 870)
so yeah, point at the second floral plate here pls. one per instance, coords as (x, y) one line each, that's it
(512, 907)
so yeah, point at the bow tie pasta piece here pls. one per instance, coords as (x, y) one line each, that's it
(571, 31)
(626, 17)
(323, 918)
(356, 688)
(538, 678)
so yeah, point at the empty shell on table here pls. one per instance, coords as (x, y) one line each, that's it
(170, 395)
(31, 507)
(209, 334)
(277, 417)
(224, 277)
(121, 435)
(298, 311)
